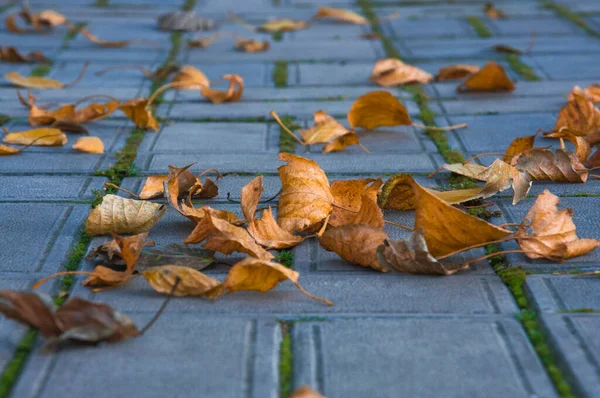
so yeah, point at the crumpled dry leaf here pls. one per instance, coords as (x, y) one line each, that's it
(252, 46)
(255, 274)
(89, 144)
(340, 15)
(7, 150)
(269, 234)
(282, 25)
(123, 216)
(393, 72)
(355, 243)
(42, 117)
(250, 196)
(41, 22)
(342, 142)
(591, 93)
(187, 184)
(190, 78)
(583, 148)
(348, 198)
(492, 77)
(547, 232)
(77, 319)
(544, 165)
(38, 137)
(96, 111)
(12, 55)
(203, 225)
(233, 94)
(112, 44)
(517, 146)
(413, 257)
(492, 12)
(457, 71)
(306, 198)
(191, 282)
(326, 129)
(580, 117)
(377, 108)
(137, 110)
(448, 229)
(306, 392)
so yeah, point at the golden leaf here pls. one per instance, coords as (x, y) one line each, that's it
(40, 137)
(377, 108)
(36, 82)
(96, 111)
(454, 72)
(393, 72)
(306, 198)
(340, 15)
(41, 117)
(7, 150)
(191, 282)
(190, 78)
(355, 243)
(250, 196)
(282, 25)
(306, 392)
(492, 77)
(111, 44)
(547, 232)
(342, 142)
(413, 257)
(580, 117)
(518, 146)
(204, 226)
(492, 12)
(136, 110)
(233, 93)
(89, 144)
(348, 198)
(123, 216)
(255, 274)
(269, 234)
(326, 129)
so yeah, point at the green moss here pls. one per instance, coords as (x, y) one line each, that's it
(98, 196)
(72, 33)
(189, 5)
(280, 74)
(564, 12)
(4, 119)
(286, 257)
(101, 3)
(287, 143)
(524, 70)
(41, 70)
(285, 360)
(15, 366)
(479, 26)
(277, 36)
(387, 44)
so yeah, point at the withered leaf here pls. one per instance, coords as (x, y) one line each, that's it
(340, 15)
(181, 182)
(306, 392)
(454, 72)
(269, 234)
(252, 46)
(233, 94)
(591, 92)
(547, 232)
(282, 25)
(203, 42)
(492, 12)
(326, 129)
(355, 243)
(190, 78)
(255, 274)
(393, 72)
(39, 82)
(12, 55)
(191, 282)
(204, 226)
(544, 165)
(581, 117)
(123, 216)
(250, 196)
(96, 111)
(413, 257)
(342, 142)
(7, 150)
(30, 309)
(517, 146)
(112, 44)
(89, 144)
(137, 110)
(377, 108)
(38, 137)
(503, 48)
(306, 198)
(492, 77)
(348, 198)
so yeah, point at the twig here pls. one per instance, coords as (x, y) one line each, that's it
(162, 307)
(110, 184)
(74, 82)
(398, 225)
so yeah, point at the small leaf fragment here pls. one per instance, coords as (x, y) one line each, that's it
(340, 15)
(89, 144)
(457, 71)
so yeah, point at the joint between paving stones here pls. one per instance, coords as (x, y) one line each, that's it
(280, 73)
(524, 70)
(287, 143)
(286, 366)
(387, 44)
(479, 26)
(564, 12)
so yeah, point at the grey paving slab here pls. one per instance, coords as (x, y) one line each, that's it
(120, 78)
(44, 188)
(572, 67)
(558, 293)
(52, 162)
(465, 357)
(428, 28)
(136, 55)
(330, 31)
(460, 10)
(576, 339)
(241, 163)
(230, 366)
(124, 28)
(74, 94)
(37, 237)
(501, 103)
(530, 26)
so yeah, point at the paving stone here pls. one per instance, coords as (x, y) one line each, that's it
(498, 362)
(428, 28)
(32, 162)
(120, 28)
(39, 246)
(530, 26)
(435, 11)
(572, 67)
(136, 56)
(255, 75)
(325, 30)
(477, 103)
(244, 349)
(335, 74)
(68, 71)
(74, 94)
(42, 188)
(241, 163)
(555, 293)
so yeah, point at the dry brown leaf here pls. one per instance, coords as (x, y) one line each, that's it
(96, 111)
(370, 36)
(41, 22)
(471, 170)
(306, 198)
(255, 274)
(413, 257)
(112, 44)
(41, 83)
(7, 150)
(393, 72)
(269, 234)
(547, 232)
(448, 229)
(233, 93)
(204, 226)
(492, 12)
(252, 46)
(376, 109)
(12, 55)
(348, 198)
(492, 77)
(123, 216)
(581, 117)
(282, 25)
(544, 165)
(203, 42)
(306, 392)
(502, 48)
(500, 176)
(326, 129)
(355, 243)
(42, 117)
(457, 71)
(89, 144)
(38, 137)
(191, 282)
(250, 196)
(340, 15)
(518, 146)
(342, 142)
(583, 148)
(190, 78)
(369, 213)
(137, 110)
(591, 92)
(187, 184)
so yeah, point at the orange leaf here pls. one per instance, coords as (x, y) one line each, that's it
(190, 78)
(191, 282)
(250, 196)
(340, 15)
(89, 144)
(544, 165)
(355, 243)
(137, 110)
(348, 198)
(269, 234)
(41, 137)
(252, 46)
(454, 72)
(491, 77)
(393, 72)
(233, 93)
(377, 108)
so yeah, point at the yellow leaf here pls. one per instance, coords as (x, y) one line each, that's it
(342, 142)
(377, 108)
(191, 282)
(190, 78)
(326, 129)
(252, 46)
(491, 77)
(348, 198)
(393, 72)
(340, 15)
(7, 150)
(136, 110)
(96, 111)
(269, 234)
(41, 137)
(282, 25)
(355, 243)
(89, 144)
(36, 82)
(233, 94)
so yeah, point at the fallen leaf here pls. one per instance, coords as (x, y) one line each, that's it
(492, 12)
(12, 55)
(340, 15)
(454, 72)
(39, 82)
(491, 77)
(518, 146)
(471, 170)
(591, 93)
(547, 232)
(89, 144)
(252, 46)
(51, 18)
(96, 111)
(500, 176)
(233, 93)
(38, 137)
(269, 234)
(393, 72)
(123, 216)
(502, 48)
(342, 142)
(348, 198)
(250, 196)
(31, 309)
(544, 165)
(413, 257)
(355, 243)
(190, 78)
(326, 129)
(7, 150)
(583, 148)
(306, 198)
(137, 110)
(448, 229)
(191, 282)
(260, 275)
(282, 25)
(70, 126)
(204, 226)
(581, 117)
(306, 392)
(376, 109)
(112, 44)
(187, 183)
(41, 22)
(203, 42)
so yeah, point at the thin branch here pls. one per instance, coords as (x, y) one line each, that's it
(110, 184)
(476, 246)
(398, 225)
(272, 113)
(74, 82)
(162, 307)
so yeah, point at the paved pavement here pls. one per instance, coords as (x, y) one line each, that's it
(387, 335)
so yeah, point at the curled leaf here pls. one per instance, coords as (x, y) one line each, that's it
(137, 110)
(39, 137)
(376, 109)
(111, 44)
(544, 165)
(518, 146)
(190, 78)
(492, 77)
(233, 93)
(269, 234)
(250, 196)
(355, 243)
(393, 72)
(89, 144)
(591, 92)
(191, 282)
(580, 117)
(348, 198)
(342, 142)
(454, 72)
(12, 55)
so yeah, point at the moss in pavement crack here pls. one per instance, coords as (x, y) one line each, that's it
(15, 366)
(72, 33)
(564, 12)
(388, 46)
(280, 73)
(479, 26)
(287, 143)
(286, 257)
(41, 70)
(286, 366)
(524, 70)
